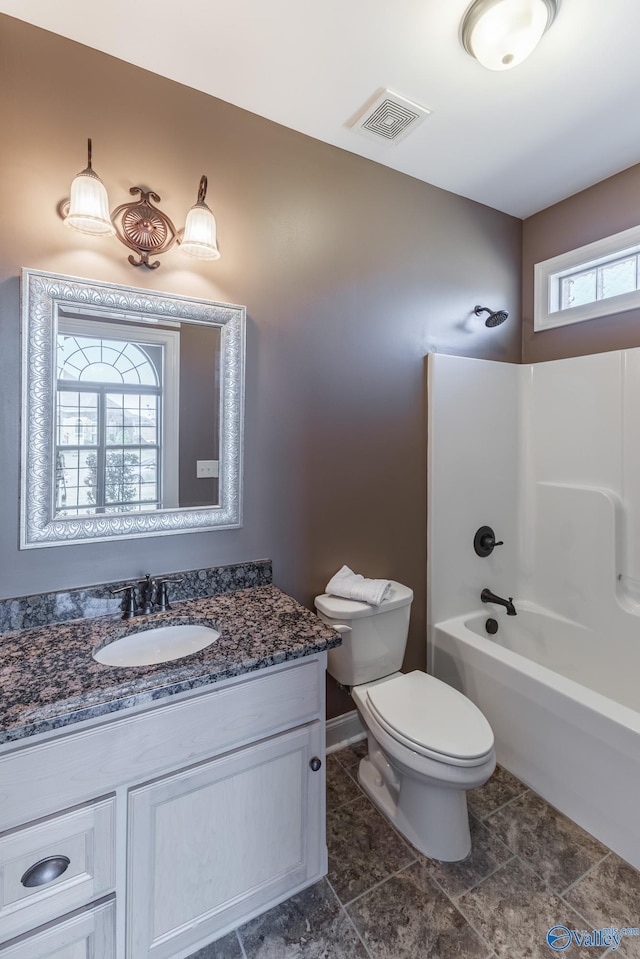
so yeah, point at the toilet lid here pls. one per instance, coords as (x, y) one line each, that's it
(431, 717)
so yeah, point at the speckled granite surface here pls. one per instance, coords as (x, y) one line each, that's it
(48, 678)
(27, 612)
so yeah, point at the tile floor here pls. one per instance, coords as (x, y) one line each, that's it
(531, 868)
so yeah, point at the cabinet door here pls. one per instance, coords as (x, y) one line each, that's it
(86, 935)
(223, 840)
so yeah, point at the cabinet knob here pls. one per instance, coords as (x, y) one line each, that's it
(315, 764)
(44, 871)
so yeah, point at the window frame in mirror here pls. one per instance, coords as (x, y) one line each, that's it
(43, 295)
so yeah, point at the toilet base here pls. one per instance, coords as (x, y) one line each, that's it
(433, 818)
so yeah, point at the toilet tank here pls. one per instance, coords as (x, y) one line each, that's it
(374, 638)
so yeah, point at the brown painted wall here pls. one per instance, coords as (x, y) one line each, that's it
(350, 271)
(606, 208)
(199, 412)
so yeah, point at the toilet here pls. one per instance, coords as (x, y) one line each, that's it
(427, 742)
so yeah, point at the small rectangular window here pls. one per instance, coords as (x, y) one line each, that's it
(597, 280)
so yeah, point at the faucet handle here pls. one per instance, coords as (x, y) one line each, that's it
(484, 542)
(162, 595)
(162, 600)
(128, 605)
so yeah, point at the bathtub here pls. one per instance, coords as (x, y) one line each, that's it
(564, 710)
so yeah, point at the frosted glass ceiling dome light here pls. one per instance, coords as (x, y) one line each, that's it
(500, 34)
(89, 203)
(199, 238)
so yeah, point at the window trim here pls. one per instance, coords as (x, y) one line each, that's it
(546, 311)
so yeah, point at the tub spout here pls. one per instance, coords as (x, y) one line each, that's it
(488, 597)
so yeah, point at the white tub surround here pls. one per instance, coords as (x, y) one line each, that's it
(548, 455)
(473, 436)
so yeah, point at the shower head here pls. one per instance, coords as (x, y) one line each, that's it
(494, 318)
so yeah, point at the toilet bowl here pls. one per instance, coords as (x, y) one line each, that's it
(428, 743)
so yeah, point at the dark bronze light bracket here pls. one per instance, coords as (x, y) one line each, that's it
(144, 228)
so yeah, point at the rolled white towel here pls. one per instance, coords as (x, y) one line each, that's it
(350, 585)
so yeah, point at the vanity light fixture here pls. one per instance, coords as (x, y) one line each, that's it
(500, 34)
(139, 224)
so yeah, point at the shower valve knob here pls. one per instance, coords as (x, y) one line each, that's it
(484, 542)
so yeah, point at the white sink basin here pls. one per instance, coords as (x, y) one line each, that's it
(159, 645)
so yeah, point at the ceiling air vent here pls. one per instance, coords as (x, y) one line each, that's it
(389, 118)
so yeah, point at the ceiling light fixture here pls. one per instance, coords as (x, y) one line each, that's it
(500, 34)
(139, 224)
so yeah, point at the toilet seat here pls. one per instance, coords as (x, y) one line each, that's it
(431, 718)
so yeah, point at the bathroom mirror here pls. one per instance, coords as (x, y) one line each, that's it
(132, 412)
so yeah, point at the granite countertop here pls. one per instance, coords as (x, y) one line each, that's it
(48, 678)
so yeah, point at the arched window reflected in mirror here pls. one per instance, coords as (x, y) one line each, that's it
(114, 396)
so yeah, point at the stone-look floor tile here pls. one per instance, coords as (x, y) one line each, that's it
(513, 910)
(363, 849)
(558, 849)
(610, 896)
(487, 854)
(311, 925)
(629, 948)
(408, 917)
(341, 787)
(226, 948)
(495, 793)
(351, 755)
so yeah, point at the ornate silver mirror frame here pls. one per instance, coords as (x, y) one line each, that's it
(43, 295)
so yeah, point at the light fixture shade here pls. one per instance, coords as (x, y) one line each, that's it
(199, 237)
(89, 205)
(500, 34)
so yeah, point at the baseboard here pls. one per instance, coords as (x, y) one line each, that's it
(344, 730)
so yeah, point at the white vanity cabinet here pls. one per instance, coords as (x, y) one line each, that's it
(179, 820)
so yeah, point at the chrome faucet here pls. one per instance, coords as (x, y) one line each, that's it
(488, 597)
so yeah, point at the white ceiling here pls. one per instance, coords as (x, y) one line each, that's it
(517, 140)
